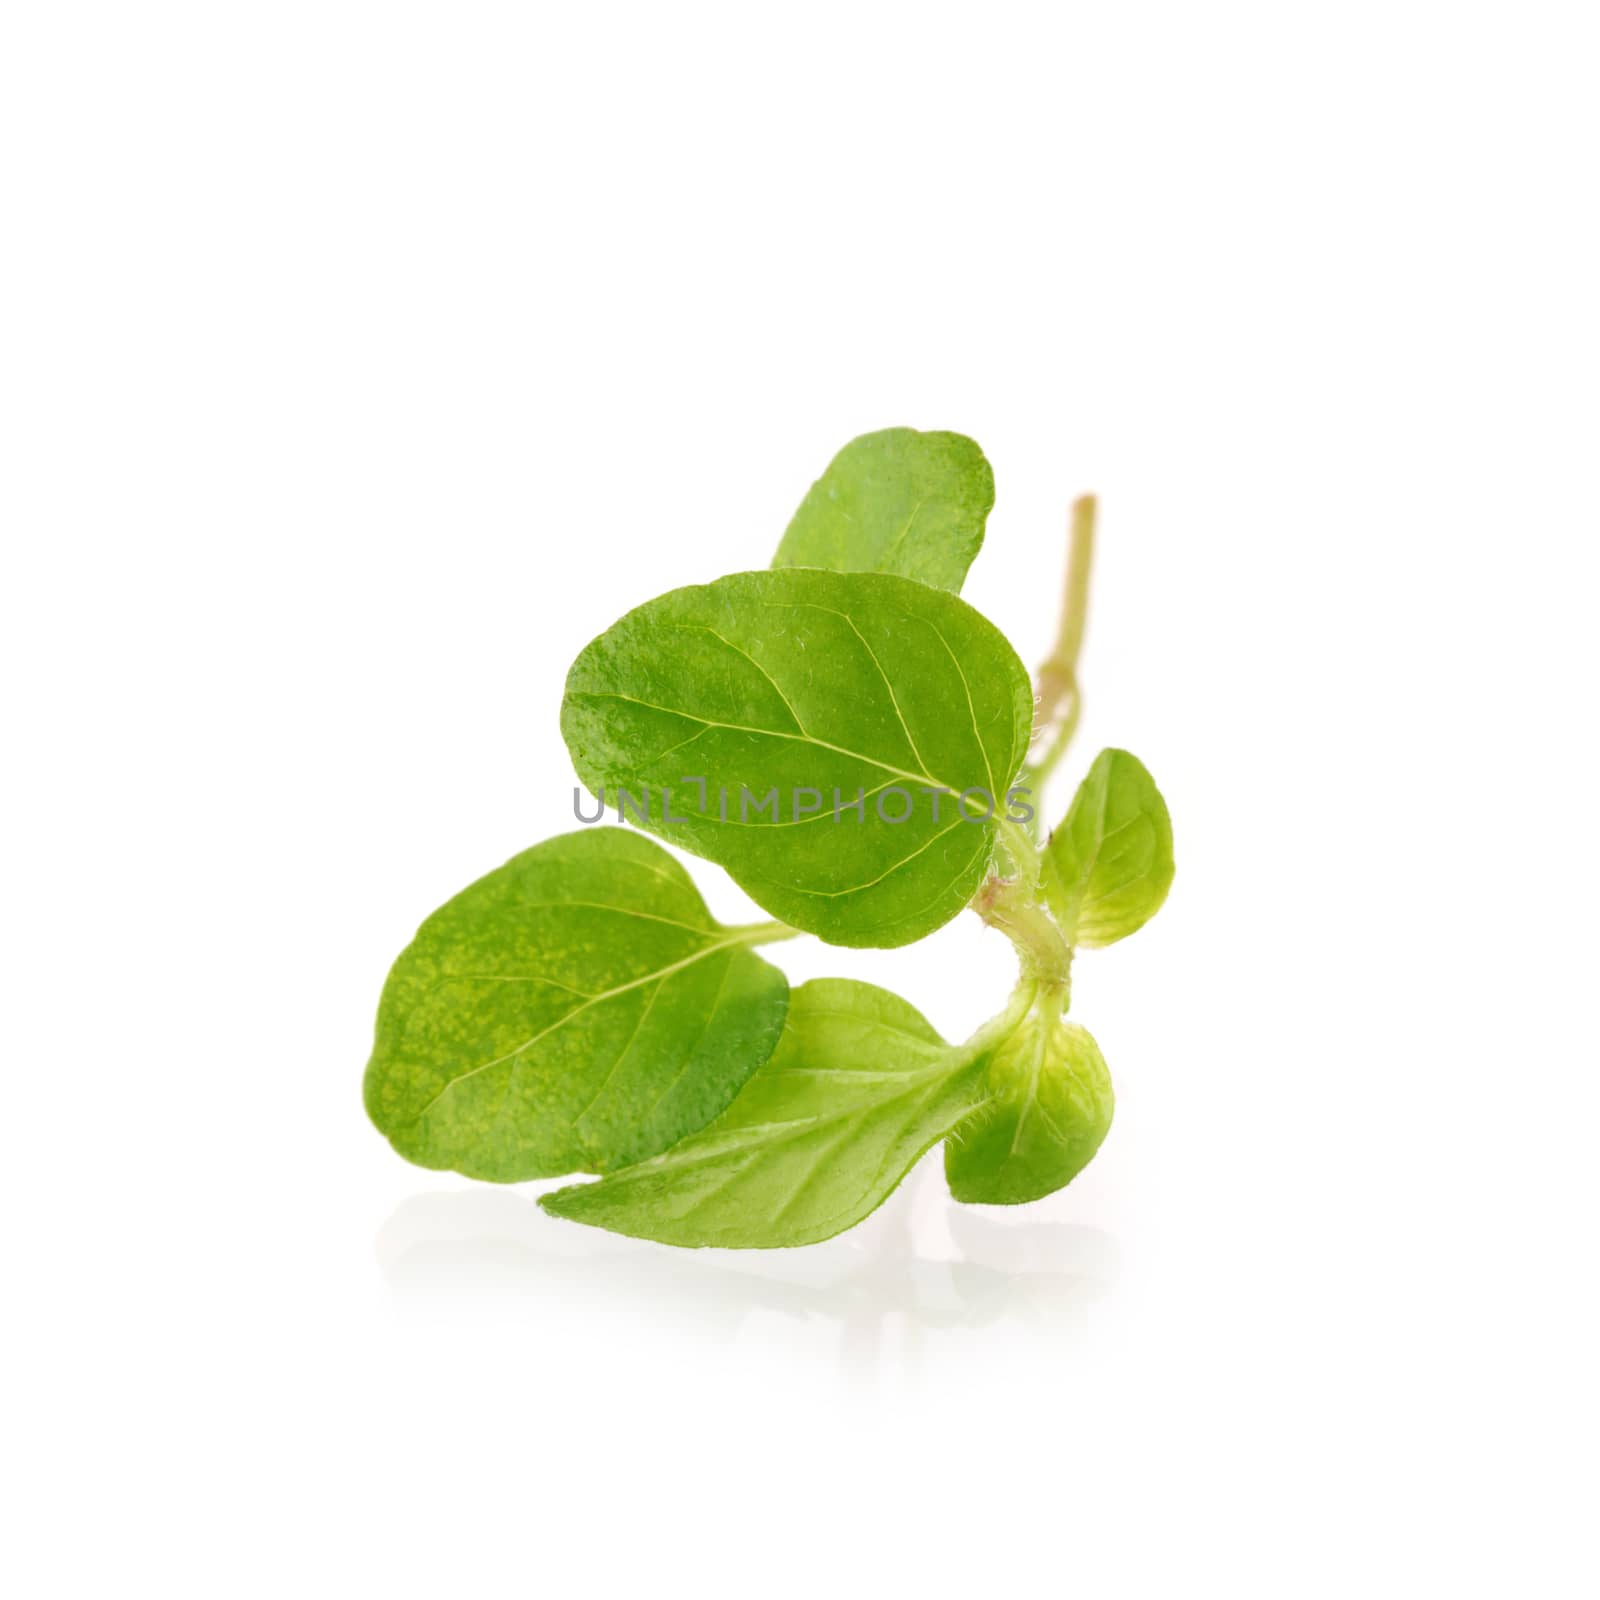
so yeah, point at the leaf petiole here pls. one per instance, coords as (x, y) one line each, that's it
(765, 932)
(1004, 1023)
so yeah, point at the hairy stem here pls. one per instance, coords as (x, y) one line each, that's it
(1017, 909)
(1020, 850)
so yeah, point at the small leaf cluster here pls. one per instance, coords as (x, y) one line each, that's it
(579, 1010)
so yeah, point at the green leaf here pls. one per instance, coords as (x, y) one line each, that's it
(1049, 1110)
(858, 1088)
(576, 1010)
(1109, 865)
(805, 688)
(898, 501)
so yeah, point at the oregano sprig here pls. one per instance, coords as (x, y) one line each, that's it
(851, 741)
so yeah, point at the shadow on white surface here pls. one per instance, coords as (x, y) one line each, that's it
(921, 1261)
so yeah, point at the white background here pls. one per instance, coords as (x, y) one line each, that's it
(359, 363)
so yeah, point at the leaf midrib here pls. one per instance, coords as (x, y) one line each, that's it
(928, 1080)
(791, 1128)
(770, 733)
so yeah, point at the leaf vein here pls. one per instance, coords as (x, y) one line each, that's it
(566, 1017)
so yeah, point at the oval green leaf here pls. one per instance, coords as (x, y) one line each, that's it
(1049, 1110)
(858, 1089)
(1109, 865)
(574, 1011)
(898, 501)
(750, 714)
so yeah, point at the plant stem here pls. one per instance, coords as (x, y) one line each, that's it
(1014, 903)
(1060, 703)
(1016, 909)
(765, 932)
(1024, 854)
